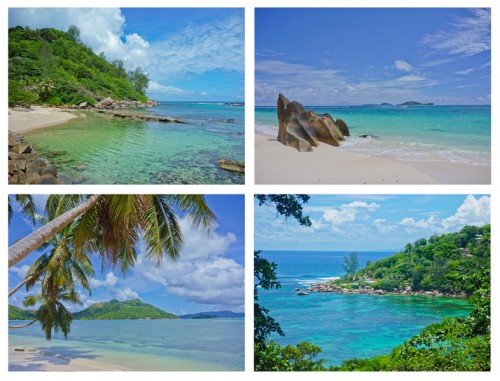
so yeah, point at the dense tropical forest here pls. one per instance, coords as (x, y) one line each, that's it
(440, 264)
(49, 66)
(455, 263)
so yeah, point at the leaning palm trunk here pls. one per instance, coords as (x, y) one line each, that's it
(26, 245)
(24, 325)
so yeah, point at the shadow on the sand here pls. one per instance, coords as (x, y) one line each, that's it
(58, 355)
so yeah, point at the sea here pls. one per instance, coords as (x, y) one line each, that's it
(143, 345)
(346, 326)
(101, 149)
(459, 134)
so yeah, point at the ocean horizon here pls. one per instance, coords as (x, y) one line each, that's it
(100, 149)
(346, 326)
(458, 134)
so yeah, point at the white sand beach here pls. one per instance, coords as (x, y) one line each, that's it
(276, 163)
(25, 120)
(28, 359)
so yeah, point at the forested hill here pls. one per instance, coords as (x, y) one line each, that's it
(115, 310)
(440, 263)
(49, 66)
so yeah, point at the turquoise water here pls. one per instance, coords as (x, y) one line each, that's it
(201, 345)
(459, 134)
(100, 149)
(346, 326)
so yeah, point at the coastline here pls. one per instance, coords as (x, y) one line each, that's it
(276, 163)
(30, 359)
(25, 121)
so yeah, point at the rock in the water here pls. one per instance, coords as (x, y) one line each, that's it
(302, 129)
(342, 126)
(231, 165)
(82, 105)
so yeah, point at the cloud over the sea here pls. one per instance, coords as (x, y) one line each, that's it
(214, 48)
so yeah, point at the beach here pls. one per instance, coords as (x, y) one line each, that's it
(135, 345)
(28, 359)
(276, 163)
(22, 121)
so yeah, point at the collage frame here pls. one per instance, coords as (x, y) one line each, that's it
(250, 188)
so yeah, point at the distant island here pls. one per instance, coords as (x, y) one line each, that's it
(213, 315)
(408, 103)
(128, 310)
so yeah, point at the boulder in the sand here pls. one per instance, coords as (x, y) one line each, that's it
(82, 105)
(342, 126)
(302, 129)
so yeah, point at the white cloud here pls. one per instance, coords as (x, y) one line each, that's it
(202, 274)
(465, 71)
(20, 271)
(472, 212)
(467, 36)
(110, 281)
(197, 49)
(350, 212)
(402, 65)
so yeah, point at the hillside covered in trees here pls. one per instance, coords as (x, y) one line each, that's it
(440, 263)
(115, 310)
(49, 66)
(454, 263)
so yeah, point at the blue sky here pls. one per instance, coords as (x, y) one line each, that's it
(369, 222)
(347, 56)
(209, 276)
(189, 54)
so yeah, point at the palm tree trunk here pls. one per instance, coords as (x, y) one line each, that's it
(20, 285)
(26, 245)
(23, 326)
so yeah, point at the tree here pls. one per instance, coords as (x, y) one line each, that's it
(112, 224)
(350, 263)
(139, 79)
(74, 33)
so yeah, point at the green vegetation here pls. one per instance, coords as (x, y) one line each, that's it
(108, 226)
(115, 310)
(54, 67)
(453, 263)
(437, 264)
(455, 344)
(16, 313)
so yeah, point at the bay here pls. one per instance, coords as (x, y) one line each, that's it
(346, 326)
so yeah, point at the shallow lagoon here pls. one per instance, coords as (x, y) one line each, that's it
(100, 149)
(157, 345)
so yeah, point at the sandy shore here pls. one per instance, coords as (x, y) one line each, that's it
(23, 121)
(27, 359)
(277, 164)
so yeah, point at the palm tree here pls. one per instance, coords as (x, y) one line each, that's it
(52, 314)
(58, 269)
(112, 224)
(27, 205)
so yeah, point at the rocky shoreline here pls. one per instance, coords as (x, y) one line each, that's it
(26, 167)
(368, 290)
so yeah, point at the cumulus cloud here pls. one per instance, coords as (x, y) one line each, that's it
(197, 49)
(467, 36)
(472, 212)
(114, 286)
(350, 212)
(202, 274)
(19, 271)
(402, 65)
